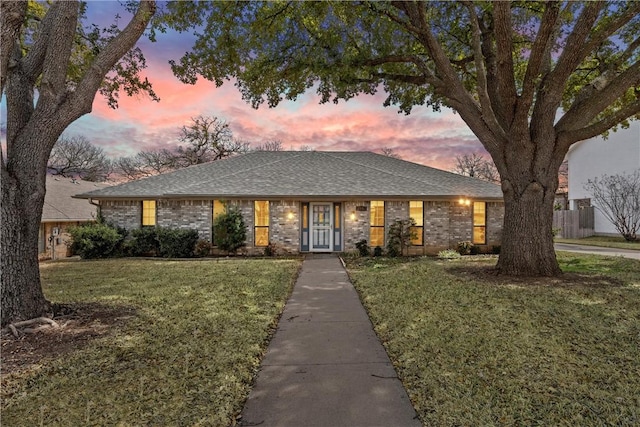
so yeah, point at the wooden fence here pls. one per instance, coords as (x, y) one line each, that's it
(574, 224)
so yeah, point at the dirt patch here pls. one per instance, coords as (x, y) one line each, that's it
(80, 323)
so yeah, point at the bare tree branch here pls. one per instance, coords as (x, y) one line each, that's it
(618, 198)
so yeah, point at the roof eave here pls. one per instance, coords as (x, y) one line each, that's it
(332, 197)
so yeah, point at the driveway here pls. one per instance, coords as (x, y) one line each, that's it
(627, 253)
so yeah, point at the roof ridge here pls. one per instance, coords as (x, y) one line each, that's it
(450, 173)
(388, 172)
(238, 172)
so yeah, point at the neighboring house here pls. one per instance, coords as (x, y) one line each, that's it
(313, 201)
(61, 211)
(595, 157)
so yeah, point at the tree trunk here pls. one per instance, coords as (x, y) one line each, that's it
(22, 201)
(527, 243)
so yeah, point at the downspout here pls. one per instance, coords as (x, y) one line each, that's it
(96, 205)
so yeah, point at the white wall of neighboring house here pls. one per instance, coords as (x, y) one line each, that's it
(595, 157)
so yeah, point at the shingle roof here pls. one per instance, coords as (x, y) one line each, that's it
(303, 174)
(59, 206)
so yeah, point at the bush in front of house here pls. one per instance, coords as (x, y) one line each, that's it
(230, 233)
(363, 247)
(176, 243)
(203, 248)
(144, 242)
(449, 254)
(399, 237)
(464, 248)
(97, 240)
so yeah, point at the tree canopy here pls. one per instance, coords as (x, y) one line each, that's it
(528, 78)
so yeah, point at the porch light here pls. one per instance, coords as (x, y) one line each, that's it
(464, 201)
(352, 217)
(290, 215)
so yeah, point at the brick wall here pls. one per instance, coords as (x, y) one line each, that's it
(356, 224)
(284, 230)
(123, 213)
(446, 223)
(185, 214)
(495, 218)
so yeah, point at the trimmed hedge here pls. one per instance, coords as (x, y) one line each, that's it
(97, 240)
(100, 240)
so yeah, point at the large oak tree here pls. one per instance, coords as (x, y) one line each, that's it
(51, 69)
(528, 78)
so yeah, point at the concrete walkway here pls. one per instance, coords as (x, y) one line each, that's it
(597, 250)
(325, 366)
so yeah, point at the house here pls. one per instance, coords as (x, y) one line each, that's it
(313, 201)
(593, 158)
(61, 211)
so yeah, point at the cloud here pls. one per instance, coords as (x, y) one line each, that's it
(360, 124)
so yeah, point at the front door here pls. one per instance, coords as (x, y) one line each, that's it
(321, 227)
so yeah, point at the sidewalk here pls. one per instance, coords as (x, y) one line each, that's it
(597, 250)
(325, 366)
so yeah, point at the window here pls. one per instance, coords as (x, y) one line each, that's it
(217, 208)
(305, 216)
(416, 213)
(479, 223)
(148, 213)
(261, 223)
(376, 223)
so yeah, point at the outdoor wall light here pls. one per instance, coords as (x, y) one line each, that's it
(352, 216)
(465, 202)
(290, 216)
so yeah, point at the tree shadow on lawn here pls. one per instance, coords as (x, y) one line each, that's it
(487, 274)
(79, 324)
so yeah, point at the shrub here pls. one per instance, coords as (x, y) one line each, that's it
(229, 231)
(203, 248)
(495, 249)
(363, 247)
(176, 243)
(270, 249)
(449, 254)
(144, 242)
(475, 250)
(377, 251)
(399, 236)
(464, 248)
(96, 240)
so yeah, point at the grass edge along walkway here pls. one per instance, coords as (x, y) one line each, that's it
(187, 357)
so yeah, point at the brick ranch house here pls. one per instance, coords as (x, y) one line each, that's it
(313, 201)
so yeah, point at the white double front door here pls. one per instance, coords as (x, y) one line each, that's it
(321, 221)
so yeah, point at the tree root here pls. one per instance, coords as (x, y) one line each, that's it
(47, 323)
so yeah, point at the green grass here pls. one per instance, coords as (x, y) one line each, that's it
(479, 350)
(187, 357)
(603, 241)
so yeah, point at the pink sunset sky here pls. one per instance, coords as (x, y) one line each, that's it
(361, 124)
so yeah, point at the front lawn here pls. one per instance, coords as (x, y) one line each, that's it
(183, 350)
(480, 350)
